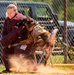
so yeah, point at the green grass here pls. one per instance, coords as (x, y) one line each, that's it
(59, 59)
(56, 59)
(2, 68)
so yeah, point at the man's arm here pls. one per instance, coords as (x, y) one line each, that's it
(9, 38)
(4, 32)
(26, 41)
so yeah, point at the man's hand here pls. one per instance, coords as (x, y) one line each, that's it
(9, 46)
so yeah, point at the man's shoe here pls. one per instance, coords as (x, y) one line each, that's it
(5, 71)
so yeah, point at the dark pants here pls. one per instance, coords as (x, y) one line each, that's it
(7, 53)
(5, 56)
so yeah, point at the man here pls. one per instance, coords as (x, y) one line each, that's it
(13, 34)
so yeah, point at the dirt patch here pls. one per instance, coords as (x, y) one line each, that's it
(24, 67)
(42, 70)
(54, 71)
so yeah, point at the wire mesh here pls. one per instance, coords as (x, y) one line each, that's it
(44, 15)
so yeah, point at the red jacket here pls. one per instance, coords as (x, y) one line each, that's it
(12, 33)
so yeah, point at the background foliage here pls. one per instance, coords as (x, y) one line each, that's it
(58, 7)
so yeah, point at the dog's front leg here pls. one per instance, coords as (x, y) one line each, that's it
(48, 53)
(26, 41)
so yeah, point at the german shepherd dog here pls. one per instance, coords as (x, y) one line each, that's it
(42, 38)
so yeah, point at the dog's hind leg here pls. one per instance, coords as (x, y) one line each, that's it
(48, 53)
(51, 45)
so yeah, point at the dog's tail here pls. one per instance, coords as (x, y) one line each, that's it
(53, 37)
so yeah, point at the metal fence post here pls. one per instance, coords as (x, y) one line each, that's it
(65, 31)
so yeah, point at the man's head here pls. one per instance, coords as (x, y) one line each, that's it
(11, 10)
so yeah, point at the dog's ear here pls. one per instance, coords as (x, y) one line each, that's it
(29, 19)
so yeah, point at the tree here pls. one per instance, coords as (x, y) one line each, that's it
(57, 5)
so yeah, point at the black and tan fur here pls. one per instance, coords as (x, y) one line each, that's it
(42, 38)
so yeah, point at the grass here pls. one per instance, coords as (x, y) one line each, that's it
(2, 68)
(56, 59)
(59, 59)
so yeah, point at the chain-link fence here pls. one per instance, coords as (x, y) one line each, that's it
(46, 15)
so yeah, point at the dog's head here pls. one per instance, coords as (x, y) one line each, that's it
(29, 23)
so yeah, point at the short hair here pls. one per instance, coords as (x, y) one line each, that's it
(12, 6)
